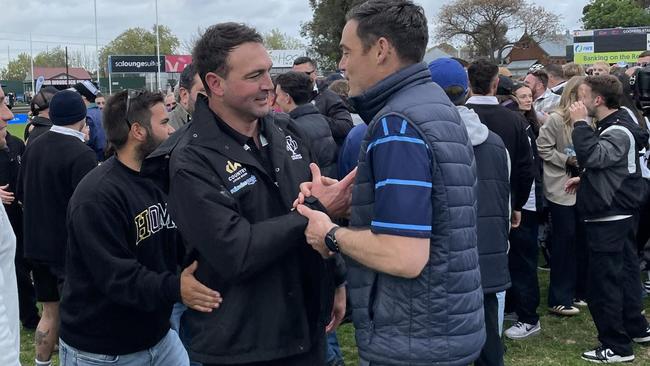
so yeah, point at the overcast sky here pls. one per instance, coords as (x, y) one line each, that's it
(71, 22)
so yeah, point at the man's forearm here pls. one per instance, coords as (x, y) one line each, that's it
(397, 256)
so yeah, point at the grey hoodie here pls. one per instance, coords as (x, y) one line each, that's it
(477, 131)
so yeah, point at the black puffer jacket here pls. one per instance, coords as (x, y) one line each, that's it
(336, 112)
(314, 126)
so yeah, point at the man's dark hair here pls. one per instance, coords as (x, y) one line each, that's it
(298, 85)
(608, 87)
(554, 70)
(401, 22)
(542, 76)
(480, 74)
(114, 116)
(304, 60)
(187, 77)
(212, 49)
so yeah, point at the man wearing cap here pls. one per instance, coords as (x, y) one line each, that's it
(52, 166)
(40, 108)
(97, 141)
(493, 173)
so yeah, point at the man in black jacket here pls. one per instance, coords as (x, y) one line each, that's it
(610, 194)
(293, 90)
(510, 126)
(124, 249)
(233, 174)
(328, 103)
(46, 182)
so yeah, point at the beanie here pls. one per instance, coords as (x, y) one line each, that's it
(67, 108)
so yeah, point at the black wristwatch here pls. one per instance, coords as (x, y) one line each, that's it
(330, 240)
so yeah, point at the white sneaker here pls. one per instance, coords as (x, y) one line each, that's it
(522, 330)
(564, 310)
(643, 338)
(603, 354)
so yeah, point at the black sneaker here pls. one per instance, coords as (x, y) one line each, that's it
(544, 267)
(643, 338)
(603, 354)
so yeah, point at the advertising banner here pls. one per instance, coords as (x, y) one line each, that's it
(177, 63)
(135, 63)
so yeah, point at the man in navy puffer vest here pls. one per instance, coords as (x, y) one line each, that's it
(413, 279)
(493, 174)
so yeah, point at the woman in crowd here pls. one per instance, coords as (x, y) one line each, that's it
(567, 287)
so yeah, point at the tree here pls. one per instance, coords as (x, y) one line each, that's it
(139, 41)
(325, 28)
(187, 45)
(54, 57)
(17, 69)
(492, 25)
(276, 40)
(614, 13)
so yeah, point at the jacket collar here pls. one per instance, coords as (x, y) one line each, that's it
(482, 100)
(374, 99)
(303, 110)
(41, 121)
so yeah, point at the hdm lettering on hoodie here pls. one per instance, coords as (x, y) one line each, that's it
(151, 221)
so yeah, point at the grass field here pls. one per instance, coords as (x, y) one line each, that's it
(560, 343)
(16, 129)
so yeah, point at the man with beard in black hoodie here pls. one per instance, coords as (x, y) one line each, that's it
(610, 193)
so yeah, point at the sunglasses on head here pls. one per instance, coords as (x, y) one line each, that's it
(132, 94)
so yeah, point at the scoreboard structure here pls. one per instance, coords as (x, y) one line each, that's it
(610, 45)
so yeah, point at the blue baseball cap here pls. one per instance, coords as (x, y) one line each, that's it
(448, 72)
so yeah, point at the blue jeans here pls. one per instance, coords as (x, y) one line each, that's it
(177, 323)
(333, 351)
(501, 297)
(169, 351)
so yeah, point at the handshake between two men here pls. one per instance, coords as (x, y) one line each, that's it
(334, 195)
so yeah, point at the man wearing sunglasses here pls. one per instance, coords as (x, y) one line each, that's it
(123, 253)
(328, 103)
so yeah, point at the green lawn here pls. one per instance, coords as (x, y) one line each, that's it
(560, 343)
(16, 129)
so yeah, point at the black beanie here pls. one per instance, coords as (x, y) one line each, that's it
(67, 108)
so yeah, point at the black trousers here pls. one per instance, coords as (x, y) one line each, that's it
(562, 286)
(26, 294)
(614, 294)
(524, 293)
(492, 352)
